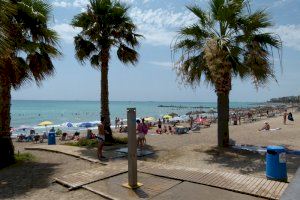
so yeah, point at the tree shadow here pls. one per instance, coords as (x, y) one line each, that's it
(246, 162)
(21, 178)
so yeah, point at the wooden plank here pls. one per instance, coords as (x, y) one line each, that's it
(225, 180)
(233, 185)
(209, 177)
(272, 191)
(268, 188)
(253, 185)
(230, 181)
(283, 189)
(235, 182)
(262, 188)
(219, 178)
(240, 182)
(243, 185)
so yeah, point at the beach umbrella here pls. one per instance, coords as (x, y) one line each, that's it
(149, 119)
(24, 127)
(167, 116)
(86, 125)
(184, 117)
(174, 119)
(69, 124)
(173, 114)
(45, 123)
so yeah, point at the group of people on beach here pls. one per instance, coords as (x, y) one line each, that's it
(286, 116)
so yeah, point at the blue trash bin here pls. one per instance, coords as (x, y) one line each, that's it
(51, 138)
(276, 163)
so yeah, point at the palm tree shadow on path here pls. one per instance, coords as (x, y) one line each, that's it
(246, 162)
(22, 178)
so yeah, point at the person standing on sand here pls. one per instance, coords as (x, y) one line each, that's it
(101, 139)
(285, 114)
(191, 122)
(116, 123)
(140, 134)
(159, 123)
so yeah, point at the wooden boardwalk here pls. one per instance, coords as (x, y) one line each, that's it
(244, 184)
(234, 182)
(78, 179)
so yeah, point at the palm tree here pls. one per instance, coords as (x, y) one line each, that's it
(227, 41)
(4, 20)
(105, 25)
(29, 58)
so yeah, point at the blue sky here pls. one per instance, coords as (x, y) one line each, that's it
(153, 78)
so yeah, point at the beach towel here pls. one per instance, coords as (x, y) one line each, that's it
(275, 129)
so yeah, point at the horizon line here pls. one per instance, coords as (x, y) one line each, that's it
(139, 101)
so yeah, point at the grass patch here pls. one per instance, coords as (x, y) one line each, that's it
(24, 157)
(91, 143)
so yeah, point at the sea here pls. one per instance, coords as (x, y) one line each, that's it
(29, 113)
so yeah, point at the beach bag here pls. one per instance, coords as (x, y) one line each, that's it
(290, 117)
(145, 129)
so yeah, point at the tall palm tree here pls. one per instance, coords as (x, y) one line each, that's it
(105, 25)
(227, 41)
(32, 46)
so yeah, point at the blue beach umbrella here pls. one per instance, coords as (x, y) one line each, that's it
(69, 124)
(24, 127)
(85, 125)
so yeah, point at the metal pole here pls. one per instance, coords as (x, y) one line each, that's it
(132, 148)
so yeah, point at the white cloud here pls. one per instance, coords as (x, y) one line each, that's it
(163, 64)
(159, 26)
(290, 35)
(62, 4)
(66, 32)
(80, 3)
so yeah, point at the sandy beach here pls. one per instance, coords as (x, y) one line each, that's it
(194, 150)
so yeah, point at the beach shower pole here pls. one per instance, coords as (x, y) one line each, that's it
(132, 150)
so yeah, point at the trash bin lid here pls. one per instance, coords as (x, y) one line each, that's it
(277, 149)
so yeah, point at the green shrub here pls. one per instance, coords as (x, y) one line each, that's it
(90, 143)
(23, 157)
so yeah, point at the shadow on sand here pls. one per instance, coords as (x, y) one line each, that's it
(14, 180)
(246, 162)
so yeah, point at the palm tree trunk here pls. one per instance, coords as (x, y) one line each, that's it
(223, 119)
(105, 94)
(6, 145)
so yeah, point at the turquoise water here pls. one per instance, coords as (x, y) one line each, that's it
(33, 112)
